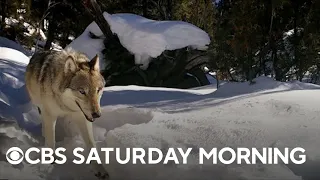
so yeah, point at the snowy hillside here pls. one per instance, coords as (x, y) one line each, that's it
(145, 38)
(265, 114)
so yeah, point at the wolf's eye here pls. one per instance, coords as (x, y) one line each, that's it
(99, 89)
(81, 91)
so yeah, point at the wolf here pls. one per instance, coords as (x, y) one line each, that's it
(66, 84)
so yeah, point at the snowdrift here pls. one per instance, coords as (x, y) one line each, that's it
(265, 114)
(143, 37)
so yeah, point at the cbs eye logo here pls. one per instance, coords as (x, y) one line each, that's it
(14, 155)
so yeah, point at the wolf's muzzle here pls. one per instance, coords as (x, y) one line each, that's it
(96, 115)
(88, 118)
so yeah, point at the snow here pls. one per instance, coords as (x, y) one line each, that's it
(91, 47)
(145, 38)
(5, 42)
(13, 55)
(265, 114)
(54, 46)
(291, 32)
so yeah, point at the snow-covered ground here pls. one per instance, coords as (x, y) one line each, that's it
(265, 114)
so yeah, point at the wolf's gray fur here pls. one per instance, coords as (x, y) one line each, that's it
(65, 84)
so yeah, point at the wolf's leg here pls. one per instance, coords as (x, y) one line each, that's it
(86, 131)
(48, 128)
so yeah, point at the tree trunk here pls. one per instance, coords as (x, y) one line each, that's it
(262, 67)
(272, 44)
(217, 79)
(279, 73)
(169, 9)
(296, 42)
(50, 36)
(65, 39)
(271, 21)
(145, 8)
(3, 13)
(251, 71)
(94, 9)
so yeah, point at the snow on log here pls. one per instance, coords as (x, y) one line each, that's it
(145, 38)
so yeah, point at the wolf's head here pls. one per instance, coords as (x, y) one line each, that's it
(85, 85)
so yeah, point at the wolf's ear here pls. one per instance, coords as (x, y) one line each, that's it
(94, 63)
(70, 65)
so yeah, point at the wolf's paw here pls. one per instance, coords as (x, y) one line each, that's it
(99, 171)
(54, 159)
(103, 175)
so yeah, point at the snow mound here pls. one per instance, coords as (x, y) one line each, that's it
(91, 47)
(5, 42)
(260, 85)
(13, 55)
(145, 38)
(286, 119)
